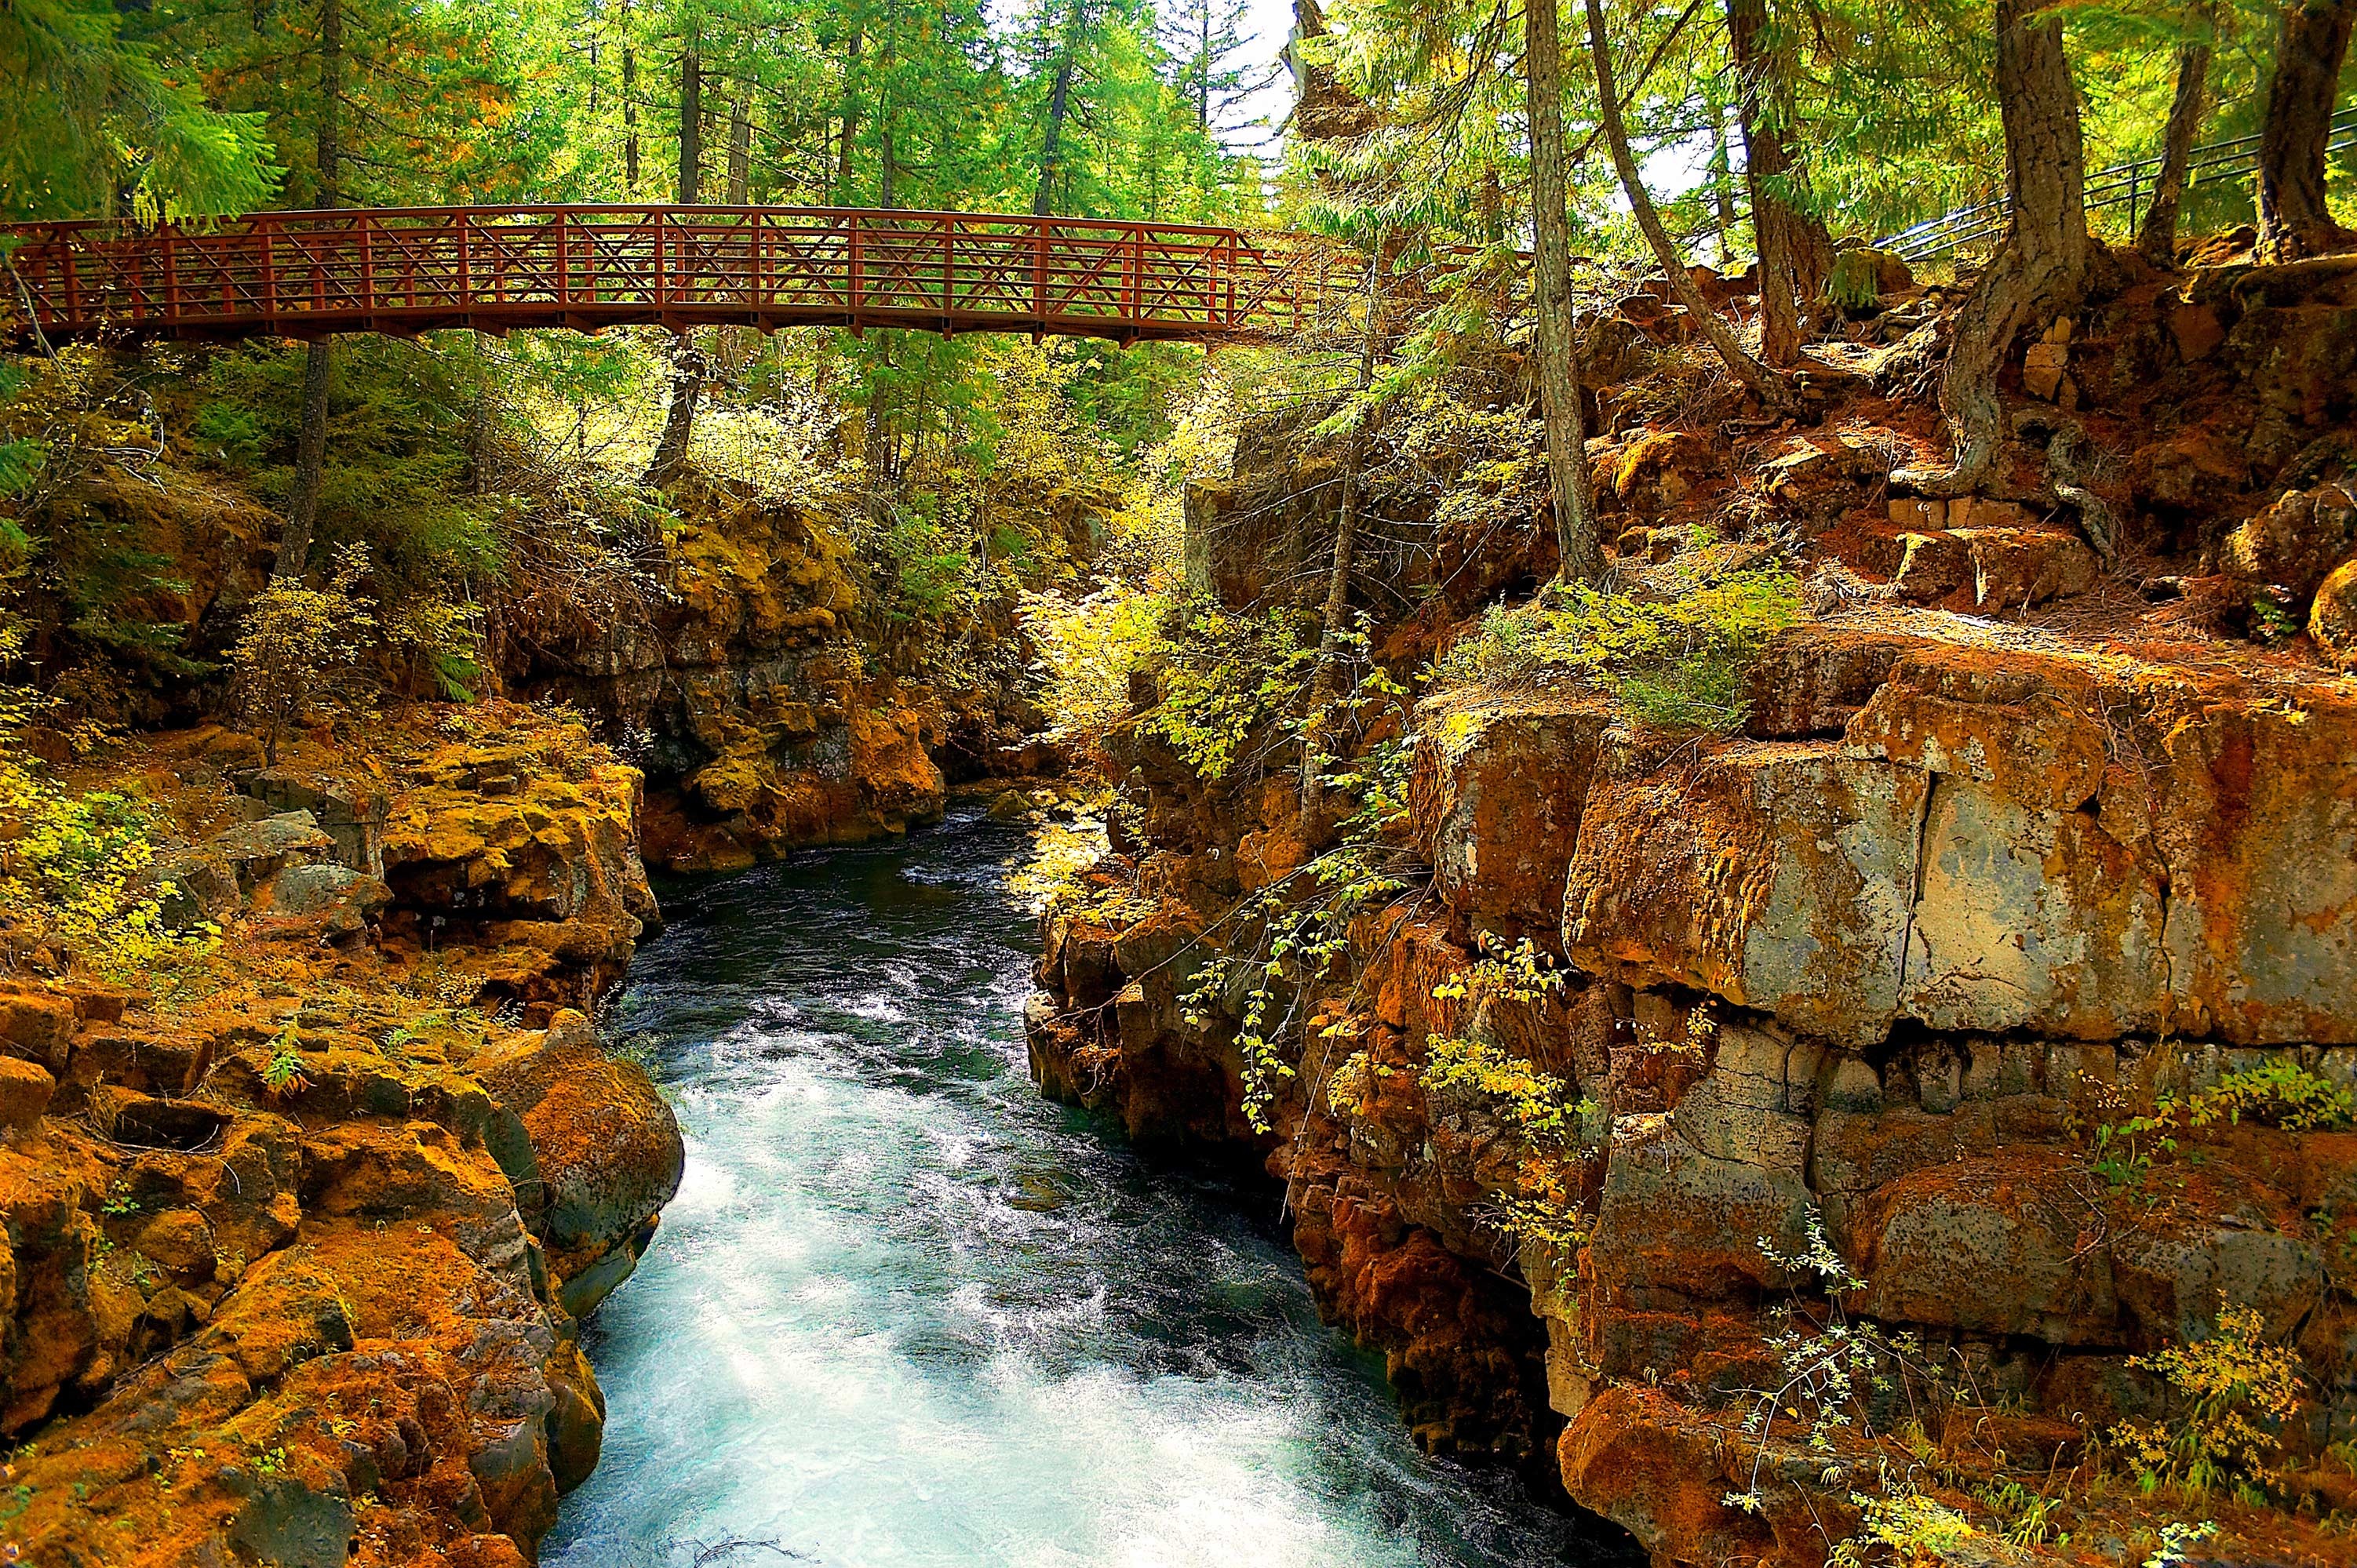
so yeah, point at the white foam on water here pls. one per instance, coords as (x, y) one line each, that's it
(849, 1340)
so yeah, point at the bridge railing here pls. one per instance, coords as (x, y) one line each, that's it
(410, 270)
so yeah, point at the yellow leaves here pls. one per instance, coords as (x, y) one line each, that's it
(1536, 1102)
(2239, 1387)
(74, 870)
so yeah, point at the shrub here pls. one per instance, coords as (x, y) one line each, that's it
(1678, 664)
(1088, 649)
(74, 870)
(932, 576)
(1914, 1528)
(2279, 1093)
(1536, 1104)
(2239, 1387)
(1227, 678)
(300, 652)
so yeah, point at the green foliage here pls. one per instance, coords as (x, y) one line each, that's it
(74, 872)
(1301, 939)
(403, 424)
(932, 576)
(2177, 1538)
(1088, 649)
(2238, 1391)
(228, 433)
(1852, 283)
(2277, 1094)
(1914, 1527)
(2124, 1151)
(1226, 679)
(1679, 664)
(282, 1070)
(89, 114)
(2025, 1518)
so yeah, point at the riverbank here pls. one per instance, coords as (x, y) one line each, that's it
(1830, 1037)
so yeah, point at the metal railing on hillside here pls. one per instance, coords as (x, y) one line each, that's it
(2129, 185)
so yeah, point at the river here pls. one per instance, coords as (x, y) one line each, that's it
(906, 1313)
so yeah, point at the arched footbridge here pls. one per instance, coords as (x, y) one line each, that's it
(497, 269)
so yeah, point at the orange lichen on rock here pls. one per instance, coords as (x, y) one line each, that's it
(295, 1259)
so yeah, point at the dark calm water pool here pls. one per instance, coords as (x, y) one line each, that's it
(906, 1313)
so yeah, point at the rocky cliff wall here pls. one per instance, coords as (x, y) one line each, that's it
(297, 1248)
(769, 696)
(1877, 1019)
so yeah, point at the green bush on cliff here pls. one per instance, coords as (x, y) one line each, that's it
(2279, 1095)
(1677, 664)
(74, 872)
(1226, 679)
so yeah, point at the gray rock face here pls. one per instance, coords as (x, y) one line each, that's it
(347, 897)
(353, 818)
(1999, 842)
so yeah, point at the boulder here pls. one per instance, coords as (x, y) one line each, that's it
(257, 851)
(607, 1144)
(2332, 617)
(1640, 1460)
(352, 814)
(2015, 568)
(1778, 875)
(345, 898)
(1679, 1222)
(1991, 1245)
(24, 1094)
(2297, 541)
(36, 1025)
(1496, 794)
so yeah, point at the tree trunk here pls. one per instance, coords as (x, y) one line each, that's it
(1059, 102)
(319, 361)
(2294, 221)
(1722, 190)
(690, 126)
(887, 162)
(1567, 433)
(1739, 362)
(1346, 542)
(629, 110)
(740, 147)
(850, 120)
(740, 191)
(2041, 269)
(1204, 71)
(1794, 250)
(2158, 237)
(686, 364)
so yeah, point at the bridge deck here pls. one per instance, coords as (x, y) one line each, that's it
(304, 275)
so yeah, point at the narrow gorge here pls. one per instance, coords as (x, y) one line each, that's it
(1197, 784)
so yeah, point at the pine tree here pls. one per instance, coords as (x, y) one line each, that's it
(89, 114)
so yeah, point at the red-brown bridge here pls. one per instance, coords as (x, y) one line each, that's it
(410, 270)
